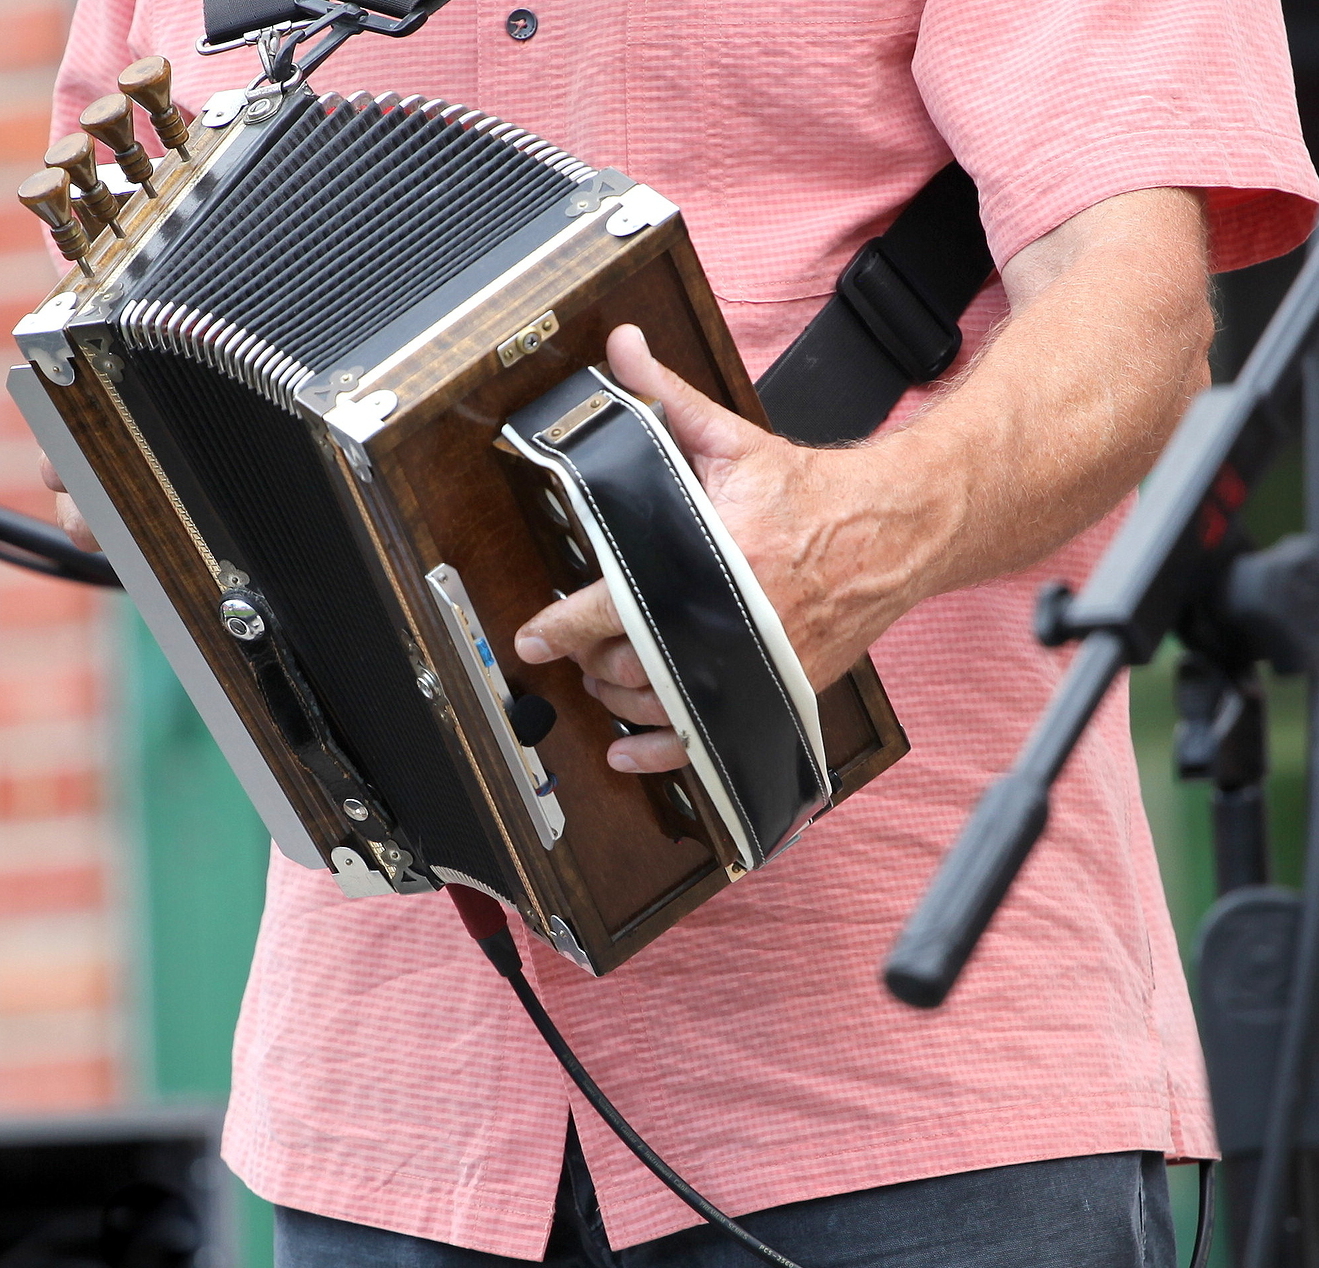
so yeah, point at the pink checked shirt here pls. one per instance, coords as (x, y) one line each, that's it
(383, 1073)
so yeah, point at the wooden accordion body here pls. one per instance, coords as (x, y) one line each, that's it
(287, 382)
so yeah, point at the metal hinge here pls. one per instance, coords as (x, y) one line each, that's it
(528, 340)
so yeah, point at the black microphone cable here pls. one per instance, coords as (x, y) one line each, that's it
(485, 920)
(1204, 1227)
(41, 547)
(487, 923)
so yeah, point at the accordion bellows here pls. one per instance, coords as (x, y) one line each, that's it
(316, 269)
(295, 379)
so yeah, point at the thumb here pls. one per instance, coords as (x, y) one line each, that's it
(707, 432)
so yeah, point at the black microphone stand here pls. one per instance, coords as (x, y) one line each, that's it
(1182, 563)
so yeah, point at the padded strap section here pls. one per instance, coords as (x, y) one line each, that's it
(227, 20)
(740, 711)
(232, 19)
(892, 323)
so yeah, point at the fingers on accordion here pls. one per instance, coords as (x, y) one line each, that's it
(47, 195)
(110, 120)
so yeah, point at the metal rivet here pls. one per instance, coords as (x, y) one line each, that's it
(354, 809)
(242, 620)
(521, 24)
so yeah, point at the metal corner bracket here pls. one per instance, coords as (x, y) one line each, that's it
(351, 423)
(565, 943)
(42, 338)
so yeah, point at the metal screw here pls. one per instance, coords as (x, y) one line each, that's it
(354, 809)
(528, 342)
(428, 684)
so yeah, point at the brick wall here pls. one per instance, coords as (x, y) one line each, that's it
(59, 1020)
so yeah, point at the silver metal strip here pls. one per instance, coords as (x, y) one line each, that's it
(171, 633)
(533, 782)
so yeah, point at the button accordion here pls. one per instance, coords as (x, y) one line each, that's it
(329, 388)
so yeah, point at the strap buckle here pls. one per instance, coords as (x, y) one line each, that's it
(909, 327)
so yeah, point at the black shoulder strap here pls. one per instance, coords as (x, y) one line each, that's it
(227, 20)
(892, 322)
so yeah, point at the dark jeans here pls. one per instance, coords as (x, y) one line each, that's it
(1103, 1211)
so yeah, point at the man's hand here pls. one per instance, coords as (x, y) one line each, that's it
(66, 514)
(1057, 421)
(802, 516)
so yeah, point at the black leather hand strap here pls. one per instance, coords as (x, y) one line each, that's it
(892, 323)
(702, 624)
(295, 710)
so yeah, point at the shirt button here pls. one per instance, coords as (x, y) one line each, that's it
(521, 24)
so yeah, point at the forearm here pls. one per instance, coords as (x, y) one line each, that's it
(1060, 417)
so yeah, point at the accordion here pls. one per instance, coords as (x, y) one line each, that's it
(331, 395)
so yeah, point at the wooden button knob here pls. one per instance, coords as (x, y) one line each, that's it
(147, 81)
(47, 194)
(76, 155)
(110, 120)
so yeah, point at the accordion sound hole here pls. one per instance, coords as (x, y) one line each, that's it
(681, 802)
(554, 508)
(575, 555)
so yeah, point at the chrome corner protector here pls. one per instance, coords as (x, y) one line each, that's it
(222, 108)
(354, 878)
(352, 449)
(41, 338)
(352, 423)
(566, 944)
(639, 208)
(361, 419)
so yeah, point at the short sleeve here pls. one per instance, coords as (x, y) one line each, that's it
(1055, 105)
